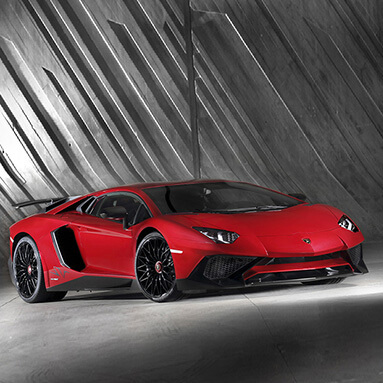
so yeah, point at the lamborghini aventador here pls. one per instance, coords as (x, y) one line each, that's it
(172, 238)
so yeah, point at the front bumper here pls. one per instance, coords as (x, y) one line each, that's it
(230, 271)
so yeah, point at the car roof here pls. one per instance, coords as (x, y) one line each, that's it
(135, 188)
(147, 185)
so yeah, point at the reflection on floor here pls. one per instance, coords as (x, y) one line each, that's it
(274, 334)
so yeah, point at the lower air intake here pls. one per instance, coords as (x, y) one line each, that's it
(355, 254)
(221, 266)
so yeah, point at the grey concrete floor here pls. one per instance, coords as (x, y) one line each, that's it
(284, 334)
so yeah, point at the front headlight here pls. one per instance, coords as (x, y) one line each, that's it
(347, 224)
(218, 236)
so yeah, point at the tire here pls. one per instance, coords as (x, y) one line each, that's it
(29, 275)
(154, 269)
(325, 281)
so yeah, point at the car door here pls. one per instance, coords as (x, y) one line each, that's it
(106, 247)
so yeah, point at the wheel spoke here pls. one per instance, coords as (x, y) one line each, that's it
(144, 277)
(149, 283)
(167, 278)
(164, 282)
(165, 251)
(26, 269)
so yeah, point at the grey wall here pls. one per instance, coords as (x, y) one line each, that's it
(289, 93)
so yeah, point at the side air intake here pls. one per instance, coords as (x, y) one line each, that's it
(67, 248)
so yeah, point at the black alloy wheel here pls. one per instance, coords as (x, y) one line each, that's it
(28, 273)
(155, 269)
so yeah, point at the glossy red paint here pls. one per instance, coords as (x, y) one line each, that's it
(109, 251)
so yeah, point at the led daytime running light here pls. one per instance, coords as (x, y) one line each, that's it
(218, 236)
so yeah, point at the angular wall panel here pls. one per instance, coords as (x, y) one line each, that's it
(94, 93)
(311, 112)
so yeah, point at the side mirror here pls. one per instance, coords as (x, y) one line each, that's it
(300, 196)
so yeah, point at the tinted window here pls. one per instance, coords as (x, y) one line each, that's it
(217, 197)
(117, 206)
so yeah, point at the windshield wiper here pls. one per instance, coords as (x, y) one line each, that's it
(256, 208)
(272, 207)
(225, 211)
(234, 211)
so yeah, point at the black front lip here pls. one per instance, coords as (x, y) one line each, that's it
(189, 284)
(267, 278)
(301, 275)
(197, 280)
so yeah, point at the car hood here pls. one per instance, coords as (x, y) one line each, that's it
(294, 220)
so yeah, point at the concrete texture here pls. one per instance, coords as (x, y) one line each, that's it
(284, 334)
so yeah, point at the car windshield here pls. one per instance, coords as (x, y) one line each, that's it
(217, 197)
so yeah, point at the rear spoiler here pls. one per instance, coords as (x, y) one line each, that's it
(52, 202)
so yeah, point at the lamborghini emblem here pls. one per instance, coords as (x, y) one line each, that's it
(307, 240)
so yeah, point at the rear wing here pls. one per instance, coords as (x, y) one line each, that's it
(52, 202)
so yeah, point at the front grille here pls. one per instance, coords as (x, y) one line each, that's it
(222, 266)
(355, 254)
(286, 260)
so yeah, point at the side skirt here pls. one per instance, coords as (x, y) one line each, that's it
(93, 283)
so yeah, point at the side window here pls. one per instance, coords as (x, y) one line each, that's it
(120, 206)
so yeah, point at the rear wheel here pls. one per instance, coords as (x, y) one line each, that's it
(28, 273)
(325, 281)
(155, 269)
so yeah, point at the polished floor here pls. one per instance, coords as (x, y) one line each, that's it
(284, 334)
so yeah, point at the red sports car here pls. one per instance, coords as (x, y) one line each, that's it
(170, 238)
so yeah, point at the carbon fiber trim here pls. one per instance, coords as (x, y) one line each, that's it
(307, 275)
(93, 283)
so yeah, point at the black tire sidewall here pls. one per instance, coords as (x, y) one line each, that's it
(40, 291)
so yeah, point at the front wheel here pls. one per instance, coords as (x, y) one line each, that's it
(28, 273)
(155, 269)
